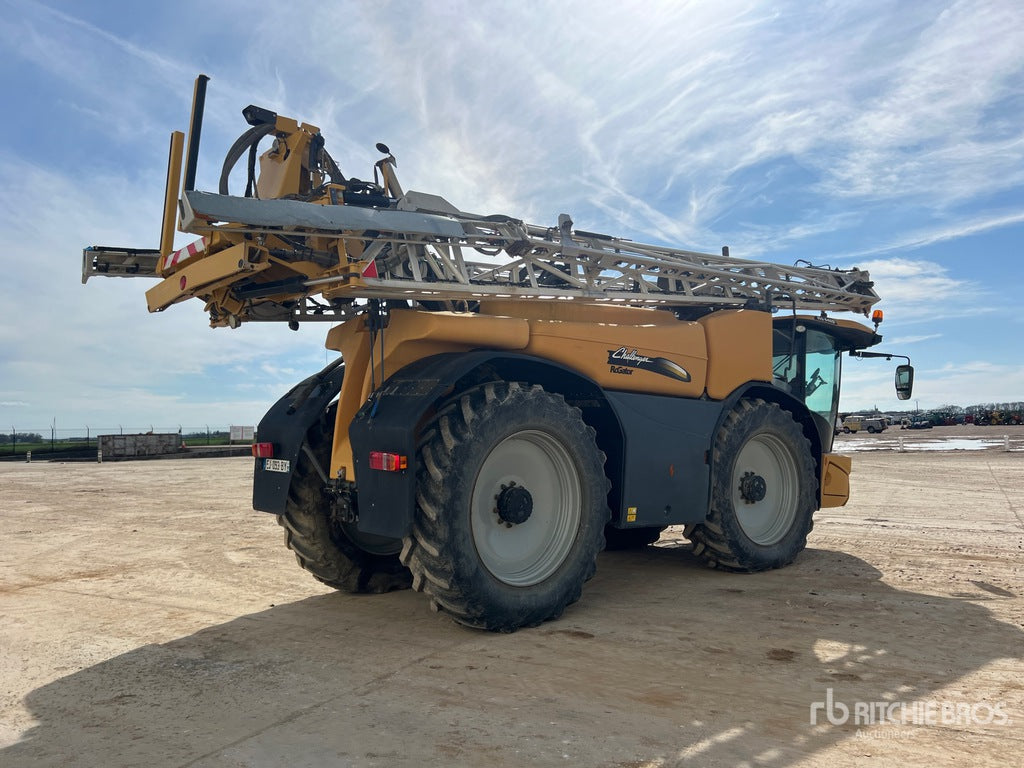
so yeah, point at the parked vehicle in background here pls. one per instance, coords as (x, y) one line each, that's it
(873, 424)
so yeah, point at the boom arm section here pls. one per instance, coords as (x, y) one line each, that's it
(307, 243)
(119, 262)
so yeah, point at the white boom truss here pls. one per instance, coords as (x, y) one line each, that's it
(547, 263)
(428, 251)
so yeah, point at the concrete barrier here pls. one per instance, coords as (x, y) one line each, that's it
(150, 444)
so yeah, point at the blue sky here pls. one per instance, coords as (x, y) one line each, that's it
(884, 135)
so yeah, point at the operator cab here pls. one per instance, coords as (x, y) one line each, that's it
(806, 362)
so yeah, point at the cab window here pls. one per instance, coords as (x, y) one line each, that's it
(806, 364)
(821, 375)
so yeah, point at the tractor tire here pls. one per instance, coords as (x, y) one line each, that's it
(763, 491)
(335, 552)
(617, 539)
(511, 505)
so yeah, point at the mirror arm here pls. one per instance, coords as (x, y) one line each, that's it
(886, 355)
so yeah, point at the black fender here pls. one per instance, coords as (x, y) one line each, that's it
(391, 419)
(285, 426)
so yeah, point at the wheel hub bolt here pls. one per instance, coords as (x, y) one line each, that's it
(753, 488)
(514, 505)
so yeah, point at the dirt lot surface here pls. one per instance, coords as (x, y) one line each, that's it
(151, 618)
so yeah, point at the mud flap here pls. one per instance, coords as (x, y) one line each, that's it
(285, 426)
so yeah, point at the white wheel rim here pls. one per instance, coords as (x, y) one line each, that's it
(768, 520)
(527, 553)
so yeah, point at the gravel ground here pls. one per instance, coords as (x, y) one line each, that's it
(151, 618)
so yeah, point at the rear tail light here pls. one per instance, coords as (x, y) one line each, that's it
(263, 450)
(388, 462)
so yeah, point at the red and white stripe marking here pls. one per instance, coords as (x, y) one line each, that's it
(370, 270)
(190, 250)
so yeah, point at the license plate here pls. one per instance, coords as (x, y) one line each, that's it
(277, 465)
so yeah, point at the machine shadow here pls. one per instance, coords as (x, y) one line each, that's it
(663, 660)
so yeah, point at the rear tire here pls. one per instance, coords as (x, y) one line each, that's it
(511, 507)
(763, 494)
(336, 553)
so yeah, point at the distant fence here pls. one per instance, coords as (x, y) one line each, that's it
(56, 440)
(901, 441)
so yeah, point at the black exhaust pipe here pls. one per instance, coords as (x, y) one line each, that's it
(195, 128)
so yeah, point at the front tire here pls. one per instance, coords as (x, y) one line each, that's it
(336, 553)
(511, 507)
(764, 491)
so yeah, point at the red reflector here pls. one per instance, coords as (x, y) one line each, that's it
(388, 462)
(263, 450)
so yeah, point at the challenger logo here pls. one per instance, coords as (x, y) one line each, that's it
(623, 361)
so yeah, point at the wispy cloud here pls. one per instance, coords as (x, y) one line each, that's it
(925, 135)
(914, 288)
(965, 227)
(903, 341)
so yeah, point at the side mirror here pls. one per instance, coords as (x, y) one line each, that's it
(904, 381)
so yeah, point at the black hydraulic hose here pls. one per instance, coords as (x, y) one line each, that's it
(250, 170)
(332, 168)
(303, 390)
(248, 139)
